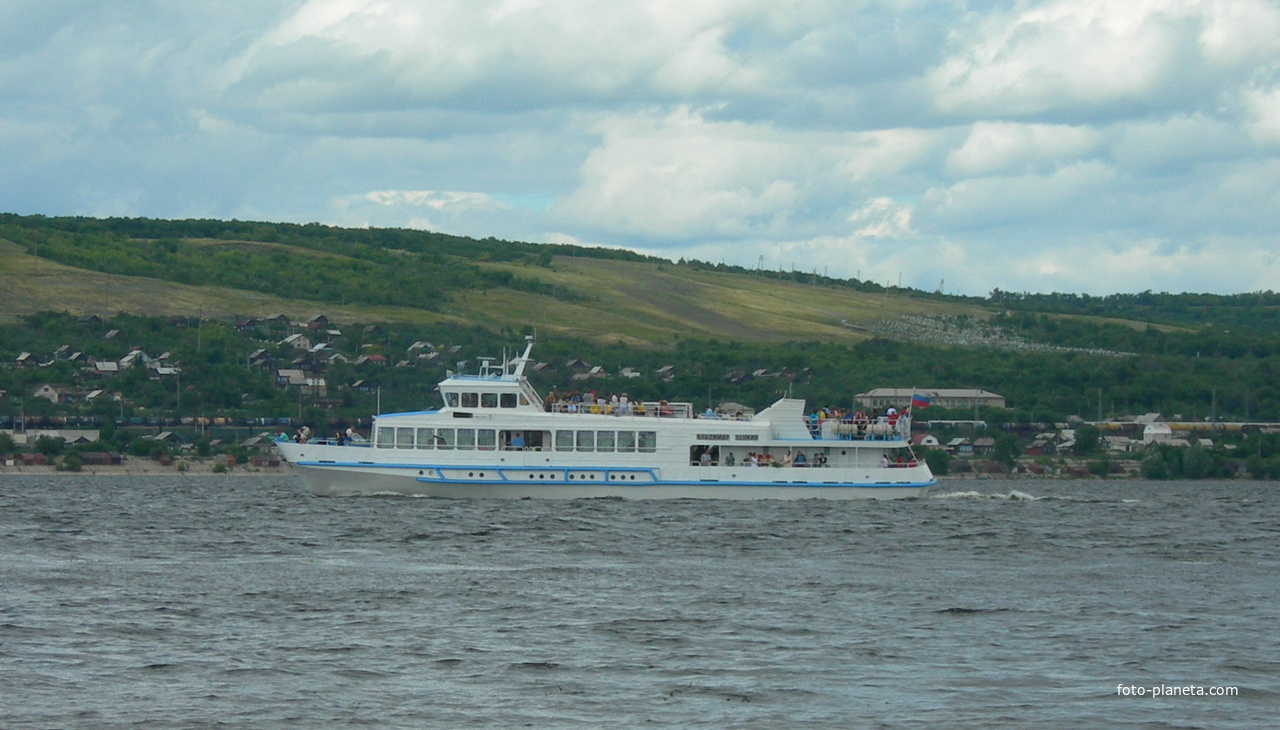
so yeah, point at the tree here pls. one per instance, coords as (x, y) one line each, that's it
(939, 461)
(1196, 463)
(50, 446)
(1006, 449)
(1087, 439)
(1154, 466)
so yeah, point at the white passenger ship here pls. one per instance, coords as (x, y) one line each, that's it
(495, 438)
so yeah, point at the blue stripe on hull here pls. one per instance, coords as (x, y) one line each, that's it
(430, 475)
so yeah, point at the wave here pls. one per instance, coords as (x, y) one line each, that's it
(1012, 496)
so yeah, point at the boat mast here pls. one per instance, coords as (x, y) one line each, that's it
(520, 362)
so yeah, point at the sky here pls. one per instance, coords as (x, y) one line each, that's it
(1087, 146)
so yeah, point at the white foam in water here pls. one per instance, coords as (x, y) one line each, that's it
(1013, 496)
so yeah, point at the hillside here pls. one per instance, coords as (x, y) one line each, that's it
(596, 298)
(224, 269)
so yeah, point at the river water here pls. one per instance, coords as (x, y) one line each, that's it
(199, 602)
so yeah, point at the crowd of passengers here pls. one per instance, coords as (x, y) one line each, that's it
(856, 418)
(707, 457)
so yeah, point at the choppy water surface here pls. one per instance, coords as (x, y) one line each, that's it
(196, 602)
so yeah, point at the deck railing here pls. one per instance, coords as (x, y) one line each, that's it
(654, 409)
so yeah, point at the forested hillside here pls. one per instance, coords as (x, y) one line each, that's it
(1051, 356)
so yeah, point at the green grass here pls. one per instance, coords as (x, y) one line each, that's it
(613, 301)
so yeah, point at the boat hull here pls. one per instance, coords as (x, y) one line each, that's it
(334, 477)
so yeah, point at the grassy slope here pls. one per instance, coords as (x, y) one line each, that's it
(28, 286)
(617, 301)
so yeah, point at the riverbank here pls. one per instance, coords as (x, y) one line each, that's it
(144, 467)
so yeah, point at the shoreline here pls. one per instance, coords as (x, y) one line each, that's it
(146, 467)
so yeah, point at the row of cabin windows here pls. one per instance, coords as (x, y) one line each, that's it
(484, 400)
(606, 440)
(486, 439)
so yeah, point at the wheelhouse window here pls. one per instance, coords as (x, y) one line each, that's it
(508, 400)
(470, 400)
(451, 399)
(488, 400)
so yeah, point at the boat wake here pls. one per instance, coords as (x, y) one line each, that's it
(1012, 496)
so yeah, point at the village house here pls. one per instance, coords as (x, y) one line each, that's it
(594, 372)
(260, 357)
(296, 341)
(247, 324)
(292, 377)
(135, 357)
(879, 398)
(925, 439)
(317, 322)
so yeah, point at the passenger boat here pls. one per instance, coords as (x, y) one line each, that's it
(495, 437)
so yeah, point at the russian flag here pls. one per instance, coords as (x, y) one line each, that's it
(919, 400)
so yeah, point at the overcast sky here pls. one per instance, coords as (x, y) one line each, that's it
(1091, 146)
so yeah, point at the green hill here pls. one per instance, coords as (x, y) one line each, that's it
(582, 292)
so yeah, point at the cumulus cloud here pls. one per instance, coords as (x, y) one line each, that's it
(1017, 146)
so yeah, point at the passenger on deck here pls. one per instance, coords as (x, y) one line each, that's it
(799, 461)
